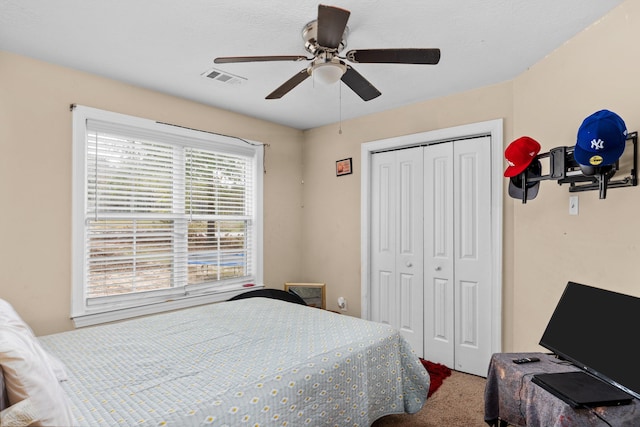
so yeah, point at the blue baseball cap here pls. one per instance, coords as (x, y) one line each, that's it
(601, 139)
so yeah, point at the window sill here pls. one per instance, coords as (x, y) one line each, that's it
(144, 310)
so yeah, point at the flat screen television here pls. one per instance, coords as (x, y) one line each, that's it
(596, 330)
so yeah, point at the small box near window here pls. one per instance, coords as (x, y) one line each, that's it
(312, 293)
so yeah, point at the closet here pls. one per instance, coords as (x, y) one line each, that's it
(430, 249)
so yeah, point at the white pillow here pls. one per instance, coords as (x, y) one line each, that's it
(19, 415)
(27, 375)
(10, 318)
(4, 403)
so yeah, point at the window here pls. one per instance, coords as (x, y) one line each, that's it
(164, 217)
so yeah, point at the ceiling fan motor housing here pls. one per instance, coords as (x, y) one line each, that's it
(310, 37)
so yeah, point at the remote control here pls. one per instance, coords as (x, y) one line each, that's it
(526, 360)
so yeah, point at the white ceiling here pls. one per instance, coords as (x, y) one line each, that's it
(166, 46)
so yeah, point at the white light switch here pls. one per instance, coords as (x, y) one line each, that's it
(573, 205)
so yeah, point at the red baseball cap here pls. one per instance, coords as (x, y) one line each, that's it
(519, 154)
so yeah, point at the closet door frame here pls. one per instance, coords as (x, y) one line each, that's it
(491, 128)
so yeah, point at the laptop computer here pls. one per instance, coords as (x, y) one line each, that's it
(581, 389)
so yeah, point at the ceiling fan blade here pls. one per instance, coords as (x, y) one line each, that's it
(289, 84)
(394, 56)
(232, 59)
(332, 22)
(359, 84)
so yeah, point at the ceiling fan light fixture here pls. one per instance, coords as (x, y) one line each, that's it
(329, 72)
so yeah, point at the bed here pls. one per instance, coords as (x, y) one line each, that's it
(254, 362)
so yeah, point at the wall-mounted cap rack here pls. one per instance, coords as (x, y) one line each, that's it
(565, 170)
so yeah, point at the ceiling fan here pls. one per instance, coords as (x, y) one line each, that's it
(325, 38)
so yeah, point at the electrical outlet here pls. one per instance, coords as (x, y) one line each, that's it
(342, 304)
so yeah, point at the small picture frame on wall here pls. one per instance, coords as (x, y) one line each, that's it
(343, 167)
(312, 293)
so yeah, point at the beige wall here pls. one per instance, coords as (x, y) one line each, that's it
(313, 229)
(597, 69)
(35, 179)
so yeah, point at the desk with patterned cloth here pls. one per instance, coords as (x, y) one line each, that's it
(512, 399)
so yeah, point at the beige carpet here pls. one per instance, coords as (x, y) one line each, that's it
(459, 402)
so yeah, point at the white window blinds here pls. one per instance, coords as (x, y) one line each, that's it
(165, 215)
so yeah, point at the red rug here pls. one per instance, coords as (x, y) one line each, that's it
(437, 372)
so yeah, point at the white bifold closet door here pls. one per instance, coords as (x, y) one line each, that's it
(397, 240)
(431, 249)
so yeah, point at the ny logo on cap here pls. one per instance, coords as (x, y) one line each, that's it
(597, 145)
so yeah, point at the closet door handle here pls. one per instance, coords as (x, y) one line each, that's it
(438, 268)
(409, 264)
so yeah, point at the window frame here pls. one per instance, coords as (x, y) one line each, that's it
(86, 312)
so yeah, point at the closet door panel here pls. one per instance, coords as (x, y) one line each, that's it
(472, 166)
(383, 239)
(409, 259)
(439, 254)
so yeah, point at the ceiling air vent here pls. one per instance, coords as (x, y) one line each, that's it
(224, 77)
